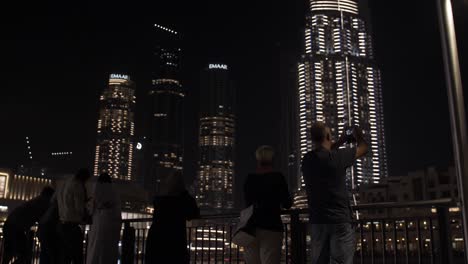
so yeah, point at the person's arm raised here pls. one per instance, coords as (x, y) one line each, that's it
(362, 146)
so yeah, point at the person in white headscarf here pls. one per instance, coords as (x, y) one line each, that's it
(104, 234)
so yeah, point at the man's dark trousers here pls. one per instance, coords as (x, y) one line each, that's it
(332, 243)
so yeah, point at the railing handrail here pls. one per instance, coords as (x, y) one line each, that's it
(446, 202)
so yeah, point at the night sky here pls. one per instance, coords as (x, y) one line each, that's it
(56, 58)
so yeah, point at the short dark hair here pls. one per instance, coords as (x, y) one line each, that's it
(104, 178)
(318, 132)
(83, 174)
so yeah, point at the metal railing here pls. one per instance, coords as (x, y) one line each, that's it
(416, 232)
(427, 238)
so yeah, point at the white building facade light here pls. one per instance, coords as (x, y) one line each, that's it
(215, 181)
(340, 84)
(115, 127)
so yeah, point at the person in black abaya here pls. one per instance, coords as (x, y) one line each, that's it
(167, 237)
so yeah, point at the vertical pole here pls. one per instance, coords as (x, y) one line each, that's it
(445, 236)
(431, 233)
(384, 242)
(456, 107)
(298, 240)
(407, 250)
(419, 237)
(395, 243)
(189, 240)
(128, 244)
(196, 244)
(372, 239)
(286, 244)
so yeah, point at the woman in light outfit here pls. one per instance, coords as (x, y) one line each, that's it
(267, 191)
(103, 242)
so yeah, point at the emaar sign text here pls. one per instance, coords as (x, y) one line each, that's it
(218, 66)
(119, 76)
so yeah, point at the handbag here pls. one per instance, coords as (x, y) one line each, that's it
(242, 237)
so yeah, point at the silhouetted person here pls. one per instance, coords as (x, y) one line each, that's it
(72, 199)
(104, 234)
(167, 237)
(324, 172)
(268, 192)
(48, 235)
(18, 224)
(128, 244)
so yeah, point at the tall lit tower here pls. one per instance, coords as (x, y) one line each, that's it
(116, 129)
(167, 98)
(216, 140)
(340, 83)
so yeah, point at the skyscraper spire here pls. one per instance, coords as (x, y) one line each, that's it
(321, 6)
(167, 109)
(340, 83)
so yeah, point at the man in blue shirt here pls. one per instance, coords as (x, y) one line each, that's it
(324, 172)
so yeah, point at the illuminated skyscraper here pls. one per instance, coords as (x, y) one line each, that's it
(216, 140)
(167, 103)
(340, 83)
(116, 129)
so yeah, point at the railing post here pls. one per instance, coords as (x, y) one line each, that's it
(446, 252)
(456, 107)
(32, 249)
(298, 240)
(128, 244)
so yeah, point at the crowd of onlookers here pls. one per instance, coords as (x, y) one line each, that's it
(61, 214)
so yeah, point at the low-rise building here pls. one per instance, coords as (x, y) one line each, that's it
(428, 184)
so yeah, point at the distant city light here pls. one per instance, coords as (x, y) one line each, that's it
(4, 184)
(166, 29)
(61, 153)
(139, 146)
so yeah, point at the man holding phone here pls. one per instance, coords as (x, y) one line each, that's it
(324, 172)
